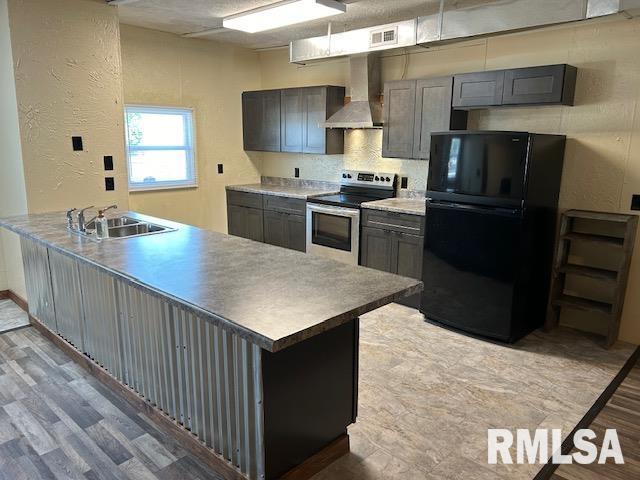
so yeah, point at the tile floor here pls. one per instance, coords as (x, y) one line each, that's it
(427, 396)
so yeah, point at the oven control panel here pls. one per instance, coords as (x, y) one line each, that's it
(373, 179)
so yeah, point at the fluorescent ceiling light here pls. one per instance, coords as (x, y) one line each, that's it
(284, 13)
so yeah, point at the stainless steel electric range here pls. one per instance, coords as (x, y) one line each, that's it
(333, 221)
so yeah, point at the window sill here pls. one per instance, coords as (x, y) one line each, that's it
(162, 187)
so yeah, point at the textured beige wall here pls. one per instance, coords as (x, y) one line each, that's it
(66, 55)
(603, 129)
(13, 198)
(164, 69)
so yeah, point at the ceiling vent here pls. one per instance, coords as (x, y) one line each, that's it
(379, 38)
(363, 40)
(456, 20)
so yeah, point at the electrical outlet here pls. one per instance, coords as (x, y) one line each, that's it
(296, 172)
(635, 202)
(76, 142)
(220, 168)
(109, 183)
(108, 162)
(404, 182)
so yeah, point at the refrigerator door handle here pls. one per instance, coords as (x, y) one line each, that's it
(508, 212)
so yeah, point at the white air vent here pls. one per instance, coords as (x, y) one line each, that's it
(388, 36)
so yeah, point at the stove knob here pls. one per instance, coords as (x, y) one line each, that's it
(348, 175)
(344, 175)
(377, 178)
(388, 179)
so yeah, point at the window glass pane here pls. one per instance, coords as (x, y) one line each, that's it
(158, 166)
(155, 129)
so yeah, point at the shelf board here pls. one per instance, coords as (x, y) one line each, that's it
(585, 304)
(593, 238)
(591, 272)
(604, 216)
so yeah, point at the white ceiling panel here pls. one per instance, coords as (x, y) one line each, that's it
(189, 16)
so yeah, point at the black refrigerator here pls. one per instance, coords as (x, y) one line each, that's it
(490, 230)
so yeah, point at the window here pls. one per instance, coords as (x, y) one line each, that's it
(160, 147)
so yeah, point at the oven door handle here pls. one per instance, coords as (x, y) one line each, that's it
(337, 211)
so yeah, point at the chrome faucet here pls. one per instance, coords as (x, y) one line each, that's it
(70, 218)
(103, 210)
(82, 226)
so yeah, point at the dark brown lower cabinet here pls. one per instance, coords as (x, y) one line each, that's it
(393, 251)
(406, 255)
(375, 249)
(285, 230)
(245, 222)
(279, 221)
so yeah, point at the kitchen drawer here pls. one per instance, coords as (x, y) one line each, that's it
(296, 206)
(399, 222)
(244, 199)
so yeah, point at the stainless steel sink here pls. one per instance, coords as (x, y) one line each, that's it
(134, 230)
(125, 227)
(114, 222)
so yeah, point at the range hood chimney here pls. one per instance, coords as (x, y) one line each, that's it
(365, 108)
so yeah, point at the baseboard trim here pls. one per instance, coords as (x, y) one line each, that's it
(17, 299)
(320, 460)
(211, 459)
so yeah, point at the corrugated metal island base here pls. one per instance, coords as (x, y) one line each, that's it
(257, 396)
(264, 412)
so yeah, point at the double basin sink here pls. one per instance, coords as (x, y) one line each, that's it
(126, 227)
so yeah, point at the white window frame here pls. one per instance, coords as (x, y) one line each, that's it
(189, 148)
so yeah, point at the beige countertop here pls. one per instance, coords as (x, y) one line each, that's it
(412, 206)
(292, 191)
(271, 296)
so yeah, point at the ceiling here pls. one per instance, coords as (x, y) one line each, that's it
(189, 16)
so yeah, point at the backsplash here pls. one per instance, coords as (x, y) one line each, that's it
(298, 182)
(363, 151)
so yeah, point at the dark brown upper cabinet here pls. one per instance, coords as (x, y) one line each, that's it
(300, 112)
(399, 116)
(478, 89)
(261, 120)
(543, 85)
(291, 124)
(413, 110)
(318, 104)
(552, 84)
(433, 113)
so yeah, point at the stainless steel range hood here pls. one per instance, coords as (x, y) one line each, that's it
(365, 108)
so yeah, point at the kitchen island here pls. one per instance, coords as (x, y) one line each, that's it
(251, 348)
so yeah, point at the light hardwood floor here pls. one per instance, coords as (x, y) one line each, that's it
(58, 422)
(427, 397)
(622, 412)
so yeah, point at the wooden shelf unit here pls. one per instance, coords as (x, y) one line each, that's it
(623, 231)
